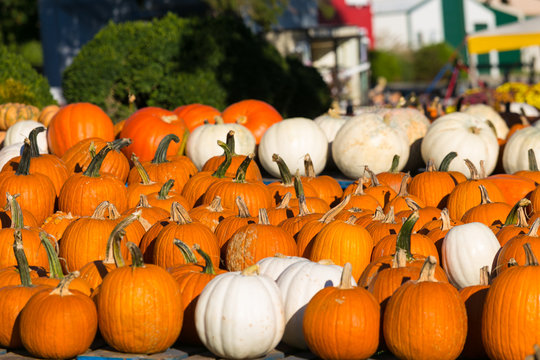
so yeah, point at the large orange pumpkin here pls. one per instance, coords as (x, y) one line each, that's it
(75, 122)
(147, 127)
(194, 115)
(256, 115)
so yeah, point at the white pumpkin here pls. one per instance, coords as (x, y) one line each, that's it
(239, 315)
(298, 284)
(367, 140)
(273, 266)
(292, 139)
(528, 110)
(487, 113)
(465, 249)
(515, 153)
(330, 123)
(9, 152)
(468, 135)
(19, 131)
(202, 142)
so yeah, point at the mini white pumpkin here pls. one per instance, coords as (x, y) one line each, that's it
(487, 113)
(465, 250)
(515, 153)
(202, 142)
(9, 152)
(367, 140)
(330, 123)
(273, 266)
(468, 135)
(528, 110)
(19, 131)
(298, 284)
(239, 315)
(292, 139)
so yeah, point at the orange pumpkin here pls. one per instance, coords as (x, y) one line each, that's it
(256, 115)
(47, 113)
(513, 249)
(211, 215)
(76, 122)
(327, 187)
(487, 212)
(194, 115)
(147, 127)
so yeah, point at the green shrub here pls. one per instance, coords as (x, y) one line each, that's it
(428, 60)
(389, 65)
(20, 83)
(174, 61)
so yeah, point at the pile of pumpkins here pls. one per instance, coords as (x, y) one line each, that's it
(117, 233)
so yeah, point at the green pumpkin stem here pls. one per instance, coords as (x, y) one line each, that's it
(22, 261)
(114, 254)
(395, 164)
(284, 172)
(55, 269)
(24, 163)
(299, 190)
(163, 193)
(136, 255)
(183, 143)
(242, 169)
(533, 165)
(404, 235)
(34, 148)
(445, 163)
(160, 155)
(17, 221)
(208, 265)
(231, 143)
(120, 143)
(514, 214)
(95, 165)
(189, 256)
(224, 166)
(145, 179)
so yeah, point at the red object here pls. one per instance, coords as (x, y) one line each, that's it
(352, 15)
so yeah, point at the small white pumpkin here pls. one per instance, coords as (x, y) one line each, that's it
(467, 248)
(9, 152)
(273, 266)
(515, 153)
(202, 142)
(468, 135)
(298, 284)
(239, 315)
(528, 110)
(292, 139)
(367, 140)
(19, 131)
(330, 123)
(487, 113)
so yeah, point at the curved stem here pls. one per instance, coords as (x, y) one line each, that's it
(136, 255)
(34, 148)
(263, 217)
(404, 235)
(374, 180)
(299, 190)
(285, 200)
(533, 231)
(163, 193)
(189, 256)
(484, 197)
(215, 205)
(529, 254)
(24, 163)
(395, 164)
(62, 288)
(160, 155)
(179, 214)
(22, 261)
(446, 223)
(428, 269)
(473, 170)
(243, 210)
(242, 169)
(17, 221)
(95, 165)
(403, 186)
(515, 216)
(445, 163)
(230, 142)
(224, 166)
(285, 173)
(116, 236)
(145, 179)
(208, 265)
(331, 214)
(533, 165)
(55, 269)
(308, 167)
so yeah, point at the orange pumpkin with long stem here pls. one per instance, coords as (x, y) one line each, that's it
(165, 197)
(252, 173)
(426, 213)
(254, 242)
(393, 177)
(14, 297)
(360, 200)
(327, 187)
(83, 192)
(353, 314)
(487, 212)
(399, 202)
(47, 164)
(276, 214)
(432, 306)
(211, 215)
(279, 188)
(515, 224)
(146, 186)
(386, 226)
(149, 214)
(6, 217)
(192, 280)
(144, 324)
(228, 226)
(195, 188)
(78, 157)
(163, 167)
(513, 249)
(382, 192)
(37, 191)
(72, 314)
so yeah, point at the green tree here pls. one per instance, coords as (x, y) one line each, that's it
(428, 60)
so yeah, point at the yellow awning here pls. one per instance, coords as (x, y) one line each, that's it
(504, 38)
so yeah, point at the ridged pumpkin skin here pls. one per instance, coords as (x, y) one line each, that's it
(425, 320)
(140, 309)
(75, 122)
(10, 113)
(71, 314)
(194, 115)
(511, 316)
(342, 323)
